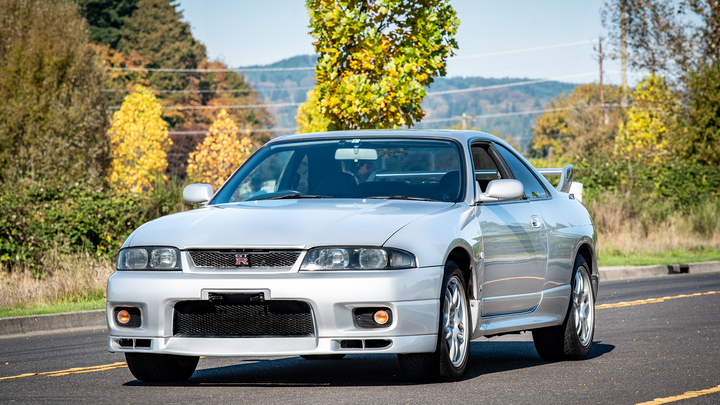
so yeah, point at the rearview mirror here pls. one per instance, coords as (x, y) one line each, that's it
(502, 190)
(197, 194)
(356, 154)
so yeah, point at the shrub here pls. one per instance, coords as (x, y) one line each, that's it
(74, 218)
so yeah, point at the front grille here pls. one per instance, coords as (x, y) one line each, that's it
(242, 315)
(229, 259)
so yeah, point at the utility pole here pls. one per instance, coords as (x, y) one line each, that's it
(464, 120)
(623, 50)
(602, 98)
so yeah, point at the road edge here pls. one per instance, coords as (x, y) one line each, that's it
(609, 273)
(20, 325)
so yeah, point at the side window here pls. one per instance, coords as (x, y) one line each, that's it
(533, 188)
(485, 168)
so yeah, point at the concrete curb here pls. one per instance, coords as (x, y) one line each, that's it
(20, 325)
(609, 273)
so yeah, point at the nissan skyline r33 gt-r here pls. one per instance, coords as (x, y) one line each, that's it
(323, 245)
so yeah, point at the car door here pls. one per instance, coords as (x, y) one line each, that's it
(514, 237)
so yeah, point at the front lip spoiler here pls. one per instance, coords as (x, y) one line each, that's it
(276, 346)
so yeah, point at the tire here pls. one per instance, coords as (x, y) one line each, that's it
(150, 367)
(450, 358)
(573, 339)
(322, 356)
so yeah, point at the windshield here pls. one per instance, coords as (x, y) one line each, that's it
(350, 168)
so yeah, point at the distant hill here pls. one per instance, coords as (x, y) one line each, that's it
(292, 86)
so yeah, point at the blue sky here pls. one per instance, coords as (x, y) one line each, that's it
(243, 32)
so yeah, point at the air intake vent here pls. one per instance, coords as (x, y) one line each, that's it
(243, 315)
(242, 259)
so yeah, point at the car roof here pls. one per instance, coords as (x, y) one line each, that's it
(460, 135)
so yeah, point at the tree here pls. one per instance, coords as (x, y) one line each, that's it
(579, 127)
(52, 113)
(671, 37)
(309, 118)
(654, 123)
(139, 138)
(703, 143)
(376, 57)
(106, 18)
(156, 30)
(219, 154)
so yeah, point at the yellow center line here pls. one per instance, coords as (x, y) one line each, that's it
(75, 370)
(652, 300)
(689, 394)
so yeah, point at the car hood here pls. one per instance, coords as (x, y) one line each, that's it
(284, 223)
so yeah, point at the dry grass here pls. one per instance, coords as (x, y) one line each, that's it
(621, 230)
(74, 278)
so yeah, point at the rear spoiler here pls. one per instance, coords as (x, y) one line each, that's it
(566, 176)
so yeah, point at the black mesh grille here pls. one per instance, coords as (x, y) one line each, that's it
(217, 259)
(236, 315)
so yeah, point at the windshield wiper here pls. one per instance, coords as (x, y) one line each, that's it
(293, 196)
(400, 197)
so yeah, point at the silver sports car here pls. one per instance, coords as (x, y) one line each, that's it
(323, 245)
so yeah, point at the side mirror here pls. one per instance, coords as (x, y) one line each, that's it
(502, 190)
(197, 194)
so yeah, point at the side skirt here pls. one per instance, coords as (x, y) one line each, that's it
(549, 312)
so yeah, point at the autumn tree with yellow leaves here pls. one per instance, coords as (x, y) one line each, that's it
(309, 118)
(139, 140)
(654, 123)
(377, 57)
(220, 153)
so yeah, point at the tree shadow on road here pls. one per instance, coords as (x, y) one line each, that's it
(486, 357)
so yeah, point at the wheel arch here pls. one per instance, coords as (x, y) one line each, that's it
(585, 249)
(461, 255)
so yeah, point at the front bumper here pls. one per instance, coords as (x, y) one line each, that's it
(412, 295)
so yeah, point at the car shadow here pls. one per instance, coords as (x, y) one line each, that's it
(486, 357)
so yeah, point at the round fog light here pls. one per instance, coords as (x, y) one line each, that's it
(123, 317)
(381, 317)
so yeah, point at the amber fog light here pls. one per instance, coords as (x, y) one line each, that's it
(128, 317)
(381, 317)
(123, 317)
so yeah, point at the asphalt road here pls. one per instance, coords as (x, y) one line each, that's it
(650, 349)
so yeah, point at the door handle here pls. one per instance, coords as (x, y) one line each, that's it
(535, 221)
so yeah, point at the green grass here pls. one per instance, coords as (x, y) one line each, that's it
(670, 257)
(54, 308)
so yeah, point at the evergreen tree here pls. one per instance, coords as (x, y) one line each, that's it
(106, 18)
(52, 113)
(156, 31)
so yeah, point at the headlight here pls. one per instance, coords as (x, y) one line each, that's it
(340, 258)
(149, 258)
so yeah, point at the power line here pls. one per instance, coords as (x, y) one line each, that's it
(215, 107)
(211, 91)
(432, 93)
(232, 132)
(540, 48)
(170, 70)
(527, 112)
(499, 86)
(305, 68)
